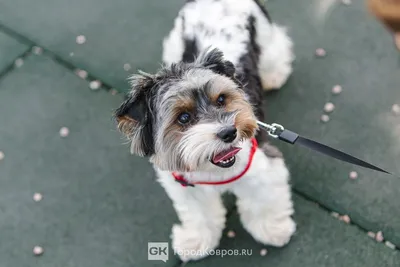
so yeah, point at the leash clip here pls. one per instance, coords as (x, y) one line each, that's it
(272, 129)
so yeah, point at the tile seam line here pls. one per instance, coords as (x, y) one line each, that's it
(10, 67)
(65, 63)
(325, 208)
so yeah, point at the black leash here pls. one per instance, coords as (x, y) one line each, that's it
(278, 132)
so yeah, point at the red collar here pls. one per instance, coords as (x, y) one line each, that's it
(180, 179)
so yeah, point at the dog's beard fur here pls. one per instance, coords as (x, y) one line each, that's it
(149, 118)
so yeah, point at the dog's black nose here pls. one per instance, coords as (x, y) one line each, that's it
(228, 134)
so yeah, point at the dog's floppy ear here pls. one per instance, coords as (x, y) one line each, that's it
(214, 60)
(134, 116)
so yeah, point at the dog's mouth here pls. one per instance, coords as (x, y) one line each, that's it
(226, 158)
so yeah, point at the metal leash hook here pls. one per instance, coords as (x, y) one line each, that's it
(271, 128)
(277, 131)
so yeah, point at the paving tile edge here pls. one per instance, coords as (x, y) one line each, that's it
(339, 217)
(60, 60)
(10, 67)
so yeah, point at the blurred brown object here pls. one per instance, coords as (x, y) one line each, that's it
(397, 40)
(387, 11)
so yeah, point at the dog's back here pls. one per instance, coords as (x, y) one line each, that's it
(224, 24)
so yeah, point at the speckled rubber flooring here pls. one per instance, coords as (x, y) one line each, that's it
(71, 192)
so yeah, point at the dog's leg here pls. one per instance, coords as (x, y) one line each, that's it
(202, 216)
(264, 200)
(276, 54)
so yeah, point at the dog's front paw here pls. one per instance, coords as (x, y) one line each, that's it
(193, 243)
(272, 232)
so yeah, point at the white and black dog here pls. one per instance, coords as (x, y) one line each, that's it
(196, 121)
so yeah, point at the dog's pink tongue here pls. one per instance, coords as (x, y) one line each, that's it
(226, 154)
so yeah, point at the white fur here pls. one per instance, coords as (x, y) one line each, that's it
(275, 65)
(219, 18)
(264, 204)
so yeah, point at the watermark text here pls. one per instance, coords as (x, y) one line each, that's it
(160, 250)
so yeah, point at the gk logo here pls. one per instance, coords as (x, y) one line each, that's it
(158, 251)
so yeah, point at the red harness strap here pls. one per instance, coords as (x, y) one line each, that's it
(180, 179)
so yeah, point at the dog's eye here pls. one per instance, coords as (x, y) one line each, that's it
(184, 118)
(221, 100)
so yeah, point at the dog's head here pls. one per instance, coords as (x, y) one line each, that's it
(188, 115)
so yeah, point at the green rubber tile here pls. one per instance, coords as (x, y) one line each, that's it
(362, 59)
(117, 32)
(10, 49)
(320, 240)
(100, 206)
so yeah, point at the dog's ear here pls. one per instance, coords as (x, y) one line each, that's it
(134, 116)
(214, 60)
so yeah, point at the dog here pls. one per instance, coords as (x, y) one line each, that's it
(196, 121)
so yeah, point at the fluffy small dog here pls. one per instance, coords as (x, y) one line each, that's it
(196, 121)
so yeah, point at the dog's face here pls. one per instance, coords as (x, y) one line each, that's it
(188, 117)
